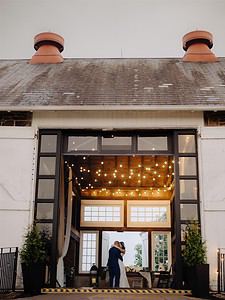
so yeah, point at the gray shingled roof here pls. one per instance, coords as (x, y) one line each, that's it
(112, 82)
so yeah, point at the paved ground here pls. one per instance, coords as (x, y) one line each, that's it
(109, 297)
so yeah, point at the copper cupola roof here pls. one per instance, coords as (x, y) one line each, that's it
(197, 45)
(49, 46)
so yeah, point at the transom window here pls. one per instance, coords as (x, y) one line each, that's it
(100, 213)
(148, 213)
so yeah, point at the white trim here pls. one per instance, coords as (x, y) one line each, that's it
(93, 107)
(153, 247)
(147, 203)
(81, 248)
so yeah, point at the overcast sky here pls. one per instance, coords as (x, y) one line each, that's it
(110, 28)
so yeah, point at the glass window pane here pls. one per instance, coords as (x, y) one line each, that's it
(153, 143)
(189, 212)
(188, 189)
(183, 230)
(160, 252)
(116, 143)
(46, 188)
(48, 143)
(44, 210)
(47, 166)
(187, 166)
(148, 214)
(47, 227)
(82, 143)
(186, 143)
(101, 214)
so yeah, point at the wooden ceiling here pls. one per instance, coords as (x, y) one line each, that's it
(119, 177)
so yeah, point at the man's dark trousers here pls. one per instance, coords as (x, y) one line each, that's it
(113, 265)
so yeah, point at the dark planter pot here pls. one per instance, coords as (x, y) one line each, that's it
(197, 279)
(33, 278)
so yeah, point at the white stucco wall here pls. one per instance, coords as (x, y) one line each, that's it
(212, 189)
(109, 28)
(17, 168)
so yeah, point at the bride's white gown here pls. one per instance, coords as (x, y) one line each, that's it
(123, 276)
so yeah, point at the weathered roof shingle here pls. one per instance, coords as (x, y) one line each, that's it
(112, 82)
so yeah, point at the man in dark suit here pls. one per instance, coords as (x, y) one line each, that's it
(113, 264)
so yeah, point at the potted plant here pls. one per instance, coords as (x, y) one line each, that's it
(196, 270)
(33, 255)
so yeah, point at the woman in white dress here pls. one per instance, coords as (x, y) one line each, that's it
(123, 276)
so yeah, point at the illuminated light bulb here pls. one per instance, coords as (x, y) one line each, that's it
(93, 149)
(124, 182)
(105, 175)
(145, 193)
(173, 173)
(164, 185)
(158, 190)
(78, 183)
(110, 182)
(164, 190)
(151, 188)
(139, 194)
(96, 180)
(89, 171)
(84, 170)
(155, 172)
(172, 161)
(131, 170)
(168, 175)
(89, 184)
(156, 165)
(113, 194)
(137, 190)
(165, 162)
(163, 166)
(126, 195)
(144, 176)
(92, 187)
(153, 149)
(82, 178)
(99, 170)
(153, 179)
(129, 177)
(96, 172)
(139, 175)
(122, 175)
(72, 165)
(84, 157)
(132, 193)
(86, 187)
(121, 166)
(99, 174)
(76, 178)
(139, 181)
(139, 166)
(65, 161)
(82, 190)
(115, 171)
(170, 167)
(159, 175)
(102, 162)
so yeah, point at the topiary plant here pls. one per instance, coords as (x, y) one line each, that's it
(194, 252)
(34, 248)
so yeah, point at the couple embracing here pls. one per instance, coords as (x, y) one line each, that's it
(117, 272)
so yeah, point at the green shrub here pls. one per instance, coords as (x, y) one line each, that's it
(34, 249)
(194, 252)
